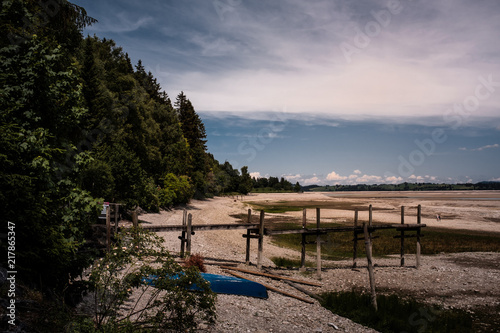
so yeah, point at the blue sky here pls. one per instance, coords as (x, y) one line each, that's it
(328, 91)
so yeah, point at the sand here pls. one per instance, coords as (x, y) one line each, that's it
(468, 281)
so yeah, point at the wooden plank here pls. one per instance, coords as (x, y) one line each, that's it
(273, 276)
(168, 228)
(370, 266)
(305, 291)
(272, 288)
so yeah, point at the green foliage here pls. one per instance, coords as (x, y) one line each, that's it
(273, 184)
(175, 190)
(286, 262)
(125, 302)
(41, 108)
(395, 314)
(488, 185)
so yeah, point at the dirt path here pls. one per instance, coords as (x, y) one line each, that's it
(469, 281)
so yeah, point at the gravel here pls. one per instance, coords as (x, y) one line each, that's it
(469, 281)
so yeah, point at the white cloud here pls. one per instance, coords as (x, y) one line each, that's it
(335, 176)
(312, 180)
(393, 180)
(255, 175)
(365, 179)
(496, 145)
(357, 172)
(296, 177)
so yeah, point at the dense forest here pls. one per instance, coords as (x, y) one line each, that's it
(80, 124)
(274, 184)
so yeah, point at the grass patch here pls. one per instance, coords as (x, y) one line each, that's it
(340, 244)
(286, 263)
(287, 206)
(395, 314)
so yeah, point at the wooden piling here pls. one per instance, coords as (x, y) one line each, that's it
(183, 233)
(370, 266)
(261, 240)
(303, 249)
(402, 237)
(135, 219)
(247, 253)
(419, 221)
(355, 240)
(188, 234)
(370, 222)
(318, 244)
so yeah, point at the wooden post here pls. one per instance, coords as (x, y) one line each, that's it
(135, 219)
(370, 219)
(188, 234)
(370, 222)
(318, 244)
(370, 266)
(355, 250)
(108, 229)
(247, 256)
(303, 250)
(183, 233)
(261, 240)
(419, 221)
(402, 237)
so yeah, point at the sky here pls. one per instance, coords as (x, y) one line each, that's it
(328, 92)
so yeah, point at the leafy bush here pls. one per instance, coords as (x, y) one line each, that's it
(175, 190)
(126, 302)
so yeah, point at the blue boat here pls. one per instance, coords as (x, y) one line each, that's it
(222, 284)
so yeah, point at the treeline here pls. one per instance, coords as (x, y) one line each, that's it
(405, 187)
(274, 184)
(80, 125)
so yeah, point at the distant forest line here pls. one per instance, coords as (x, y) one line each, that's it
(404, 187)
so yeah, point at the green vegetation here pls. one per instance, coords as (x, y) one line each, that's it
(117, 284)
(395, 314)
(405, 187)
(340, 245)
(79, 125)
(273, 184)
(285, 262)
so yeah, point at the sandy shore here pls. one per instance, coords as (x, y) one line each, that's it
(469, 210)
(468, 280)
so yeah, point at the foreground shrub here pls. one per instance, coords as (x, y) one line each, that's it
(196, 261)
(125, 302)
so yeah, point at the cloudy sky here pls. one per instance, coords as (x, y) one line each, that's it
(333, 91)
